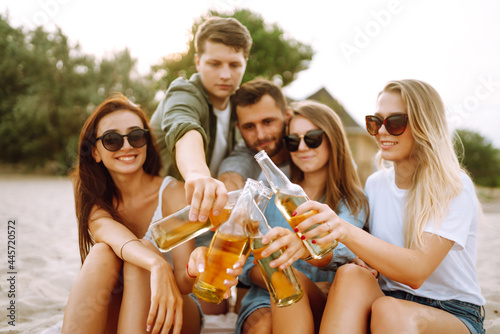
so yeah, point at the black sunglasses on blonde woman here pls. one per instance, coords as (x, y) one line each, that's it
(113, 141)
(395, 124)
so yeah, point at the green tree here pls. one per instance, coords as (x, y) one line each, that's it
(47, 90)
(272, 54)
(479, 156)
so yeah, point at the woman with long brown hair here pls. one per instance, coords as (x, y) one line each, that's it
(323, 166)
(125, 283)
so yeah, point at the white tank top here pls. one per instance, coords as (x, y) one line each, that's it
(158, 215)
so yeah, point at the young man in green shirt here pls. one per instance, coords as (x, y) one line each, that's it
(193, 125)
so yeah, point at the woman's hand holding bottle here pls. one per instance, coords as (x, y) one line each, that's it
(294, 248)
(329, 222)
(196, 265)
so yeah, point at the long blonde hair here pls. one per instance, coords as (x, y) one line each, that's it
(436, 180)
(342, 183)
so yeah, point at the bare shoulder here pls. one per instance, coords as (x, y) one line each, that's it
(173, 197)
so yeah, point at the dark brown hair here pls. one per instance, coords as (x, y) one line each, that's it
(252, 91)
(227, 31)
(93, 185)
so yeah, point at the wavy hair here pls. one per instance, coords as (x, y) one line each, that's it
(93, 185)
(342, 183)
(436, 180)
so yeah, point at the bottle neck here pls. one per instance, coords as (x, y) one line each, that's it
(276, 178)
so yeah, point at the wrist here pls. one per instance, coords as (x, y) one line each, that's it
(307, 258)
(187, 271)
(159, 264)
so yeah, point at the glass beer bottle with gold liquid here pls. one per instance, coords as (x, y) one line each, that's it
(229, 244)
(283, 285)
(288, 196)
(175, 229)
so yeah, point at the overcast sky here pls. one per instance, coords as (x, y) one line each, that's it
(359, 45)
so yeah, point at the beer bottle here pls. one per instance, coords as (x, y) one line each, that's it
(288, 196)
(228, 245)
(175, 229)
(283, 285)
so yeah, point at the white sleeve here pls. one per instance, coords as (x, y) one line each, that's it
(462, 212)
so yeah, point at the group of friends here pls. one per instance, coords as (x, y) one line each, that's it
(405, 262)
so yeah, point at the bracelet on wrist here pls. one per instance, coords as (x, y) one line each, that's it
(126, 242)
(187, 271)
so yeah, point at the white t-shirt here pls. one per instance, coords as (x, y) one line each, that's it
(455, 277)
(220, 147)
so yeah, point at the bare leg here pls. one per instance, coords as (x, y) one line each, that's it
(317, 299)
(214, 309)
(351, 296)
(302, 311)
(309, 310)
(391, 315)
(89, 299)
(258, 322)
(137, 298)
(240, 293)
(191, 316)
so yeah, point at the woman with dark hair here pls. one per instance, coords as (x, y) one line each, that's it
(125, 283)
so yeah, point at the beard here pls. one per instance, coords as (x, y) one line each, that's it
(275, 143)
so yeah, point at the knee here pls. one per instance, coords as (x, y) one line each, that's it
(349, 273)
(384, 311)
(102, 255)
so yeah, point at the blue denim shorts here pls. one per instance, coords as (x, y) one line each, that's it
(470, 314)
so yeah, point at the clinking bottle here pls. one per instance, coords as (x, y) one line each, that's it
(229, 243)
(288, 196)
(175, 229)
(283, 285)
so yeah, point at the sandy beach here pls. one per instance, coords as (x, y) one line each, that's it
(46, 257)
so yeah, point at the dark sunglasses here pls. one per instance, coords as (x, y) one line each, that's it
(312, 139)
(113, 141)
(395, 124)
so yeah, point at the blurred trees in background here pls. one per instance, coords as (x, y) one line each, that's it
(480, 158)
(273, 56)
(49, 87)
(47, 90)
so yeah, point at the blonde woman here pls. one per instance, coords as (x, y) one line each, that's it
(424, 216)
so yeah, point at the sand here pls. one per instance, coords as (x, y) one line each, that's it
(47, 259)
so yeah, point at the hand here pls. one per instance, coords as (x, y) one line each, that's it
(329, 223)
(204, 194)
(234, 272)
(166, 301)
(357, 261)
(197, 260)
(283, 238)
